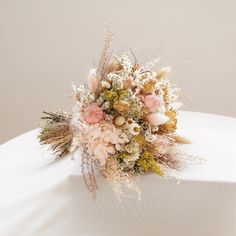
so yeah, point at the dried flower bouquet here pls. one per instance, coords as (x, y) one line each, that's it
(123, 121)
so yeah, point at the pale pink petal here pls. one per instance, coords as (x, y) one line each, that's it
(93, 81)
(157, 119)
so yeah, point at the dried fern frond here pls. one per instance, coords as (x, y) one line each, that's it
(56, 132)
(105, 56)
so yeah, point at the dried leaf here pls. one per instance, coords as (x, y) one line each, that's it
(180, 139)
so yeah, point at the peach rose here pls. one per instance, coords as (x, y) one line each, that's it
(152, 102)
(93, 114)
(93, 81)
(128, 82)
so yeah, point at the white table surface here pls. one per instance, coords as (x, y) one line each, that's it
(36, 191)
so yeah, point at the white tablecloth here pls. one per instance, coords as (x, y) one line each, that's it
(43, 197)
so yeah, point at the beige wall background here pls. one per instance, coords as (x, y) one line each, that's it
(47, 44)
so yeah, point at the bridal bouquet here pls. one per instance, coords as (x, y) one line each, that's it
(123, 121)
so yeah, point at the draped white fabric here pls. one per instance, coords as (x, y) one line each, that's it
(43, 197)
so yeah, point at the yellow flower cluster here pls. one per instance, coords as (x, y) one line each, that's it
(147, 162)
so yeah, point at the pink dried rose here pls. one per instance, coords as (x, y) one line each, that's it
(157, 118)
(93, 81)
(152, 102)
(93, 114)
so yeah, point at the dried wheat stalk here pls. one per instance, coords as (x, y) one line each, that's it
(56, 132)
